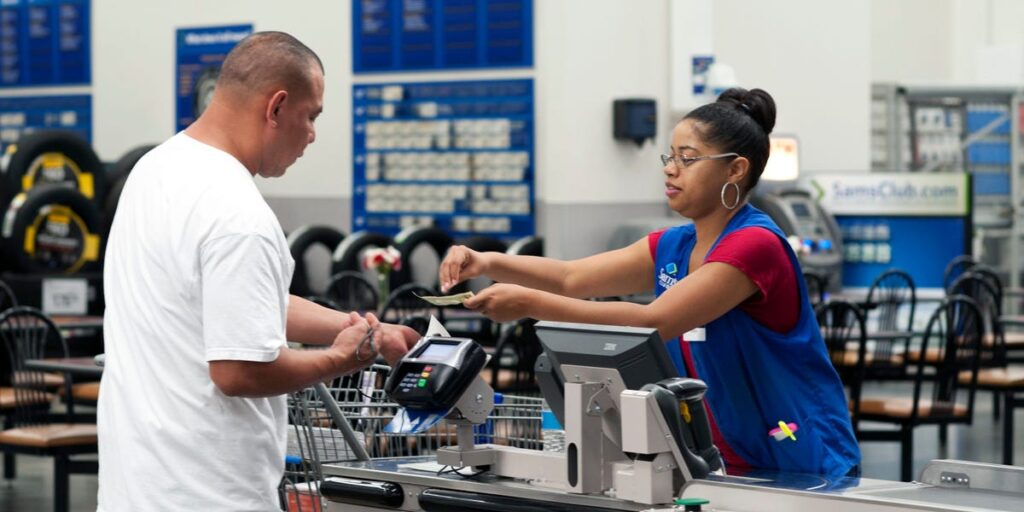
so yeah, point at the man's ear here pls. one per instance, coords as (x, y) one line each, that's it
(274, 106)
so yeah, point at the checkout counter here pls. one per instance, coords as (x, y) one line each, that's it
(631, 444)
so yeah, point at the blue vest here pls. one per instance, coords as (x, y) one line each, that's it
(757, 377)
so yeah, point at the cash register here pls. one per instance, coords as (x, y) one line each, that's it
(604, 374)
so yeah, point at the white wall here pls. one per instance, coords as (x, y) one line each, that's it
(980, 25)
(133, 78)
(911, 40)
(814, 59)
(589, 53)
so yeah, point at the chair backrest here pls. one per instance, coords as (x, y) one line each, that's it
(7, 298)
(352, 291)
(817, 284)
(955, 329)
(893, 291)
(403, 303)
(27, 333)
(956, 266)
(989, 301)
(845, 336)
(516, 352)
(993, 279)
(422, 249)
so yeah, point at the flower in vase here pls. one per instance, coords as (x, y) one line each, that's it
(382, 262)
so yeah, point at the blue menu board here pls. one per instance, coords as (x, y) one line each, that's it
(28, 113)
(402, 35)
(456, 155)
(44, 42)
(200, 52)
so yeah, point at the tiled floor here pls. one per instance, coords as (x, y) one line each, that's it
(32, 490)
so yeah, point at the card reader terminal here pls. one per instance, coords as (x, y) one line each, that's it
(435, 373)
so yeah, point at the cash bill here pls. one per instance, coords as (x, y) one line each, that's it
(447, 300)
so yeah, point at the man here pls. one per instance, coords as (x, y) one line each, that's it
(192, 412)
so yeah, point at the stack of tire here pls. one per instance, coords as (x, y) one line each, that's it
(53, 192)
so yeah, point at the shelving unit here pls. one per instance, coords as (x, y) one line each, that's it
(961, 128)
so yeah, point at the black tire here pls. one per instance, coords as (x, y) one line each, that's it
(116, 177)
(346, 255)
(79, 167)
(299, 242)
(52, 229)
(202, 91)
(485, 244)
(527, 246)
(408, 240)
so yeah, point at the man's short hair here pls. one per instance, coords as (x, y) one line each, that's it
(269, 60)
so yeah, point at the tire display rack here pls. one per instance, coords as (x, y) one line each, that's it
(951, 128)
(456, 155)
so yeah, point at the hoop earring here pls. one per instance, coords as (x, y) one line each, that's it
(736, 202)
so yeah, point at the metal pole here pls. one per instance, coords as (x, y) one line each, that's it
(339, 419)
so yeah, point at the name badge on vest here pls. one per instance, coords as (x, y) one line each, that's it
(696, 334)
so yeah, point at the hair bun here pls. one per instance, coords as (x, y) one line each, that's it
(756, 103)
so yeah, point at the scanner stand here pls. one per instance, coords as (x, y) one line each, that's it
(642, 460)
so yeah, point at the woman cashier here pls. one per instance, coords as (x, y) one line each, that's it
(729, 286)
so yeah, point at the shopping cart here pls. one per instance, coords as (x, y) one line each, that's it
(344, 421)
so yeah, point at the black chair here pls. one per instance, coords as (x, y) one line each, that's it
(1005, 383)
(989, 300)
(26, 333)
(891, 293)
(527, 246)
(988, 297)
(7, 298)
(956, 266)
(514, 356)
(842, 329)
(404, 307)
(410, 242)
(817, 285)
(352, 291)
(956, 328)
(1013, 337)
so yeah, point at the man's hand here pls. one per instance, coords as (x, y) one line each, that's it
(393, 341)
(503, 302)
(351, 344)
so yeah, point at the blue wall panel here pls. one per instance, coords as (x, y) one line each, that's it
(458, 155)
(403, 35)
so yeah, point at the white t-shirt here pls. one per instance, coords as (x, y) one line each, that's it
(197, 269)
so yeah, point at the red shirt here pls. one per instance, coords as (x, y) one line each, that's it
(760, 255)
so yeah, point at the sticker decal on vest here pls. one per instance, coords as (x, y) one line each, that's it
(695, 334)
(665, 276)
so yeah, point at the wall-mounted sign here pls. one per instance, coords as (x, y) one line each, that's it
(199, 56)
(944, 194)
(44, 42)
(402, 35)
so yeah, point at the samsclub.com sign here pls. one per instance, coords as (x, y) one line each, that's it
(945, 194)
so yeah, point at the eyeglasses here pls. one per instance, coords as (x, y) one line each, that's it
(686, 161)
